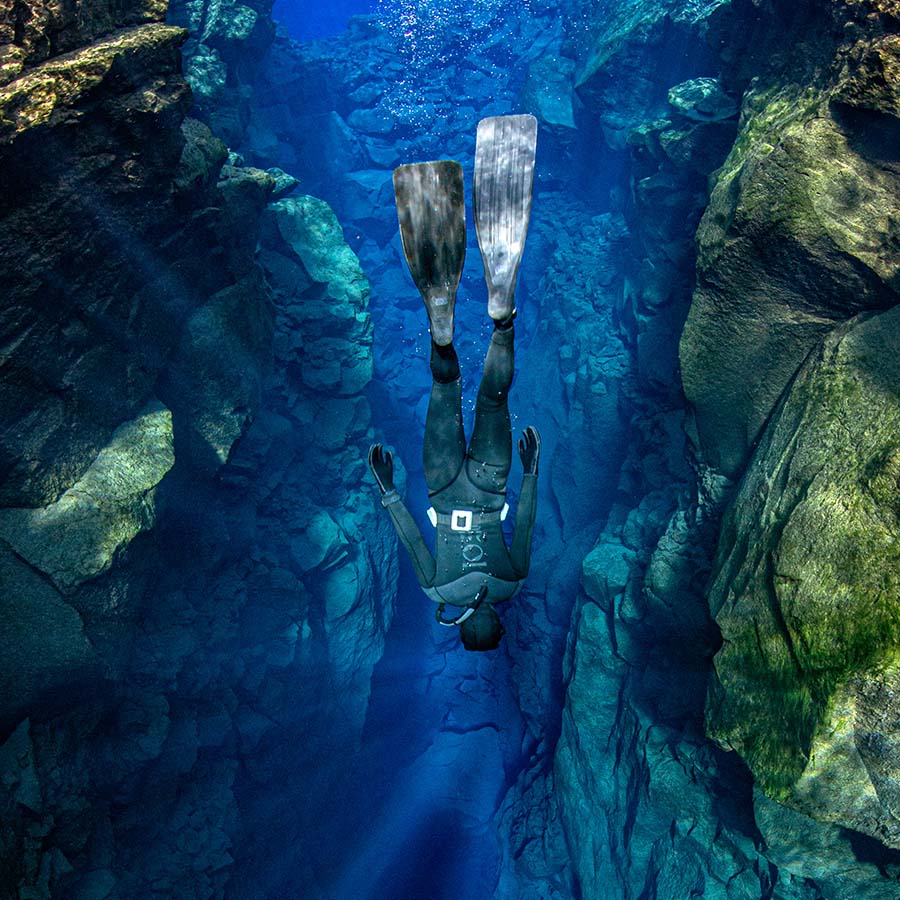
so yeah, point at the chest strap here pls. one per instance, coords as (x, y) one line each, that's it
(466, 519)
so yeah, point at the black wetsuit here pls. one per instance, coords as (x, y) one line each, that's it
(467, 486)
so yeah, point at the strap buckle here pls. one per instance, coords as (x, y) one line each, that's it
(461, 520)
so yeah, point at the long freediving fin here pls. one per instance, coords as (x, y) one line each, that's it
(431, 210)
(504, 176)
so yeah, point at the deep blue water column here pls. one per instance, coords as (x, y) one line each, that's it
(306, 21)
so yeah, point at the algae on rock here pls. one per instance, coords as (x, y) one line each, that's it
(78, 537)
(807, 590)
(800, 235)
(49, 27)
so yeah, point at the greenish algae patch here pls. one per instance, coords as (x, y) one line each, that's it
(800, 234)
(766, 114)
(807, 580)
(51, 89)
(769, 119)
(78, 537)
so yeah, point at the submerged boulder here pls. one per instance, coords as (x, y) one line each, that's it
(77, 538)
(800, 235)
(806, 591)
(549, 91)
(703, 100)
(327, 330)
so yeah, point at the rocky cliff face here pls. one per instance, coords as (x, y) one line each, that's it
(792, 244)
(799, 233)
(631, 753)
(228, 42)
(803, 590)
(177, 584)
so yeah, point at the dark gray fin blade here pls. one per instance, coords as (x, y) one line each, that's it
(432, 214)
(504, 176)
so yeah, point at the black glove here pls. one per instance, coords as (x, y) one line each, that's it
(530, 450)
(381, 462)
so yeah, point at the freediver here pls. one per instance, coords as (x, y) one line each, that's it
(472, 567)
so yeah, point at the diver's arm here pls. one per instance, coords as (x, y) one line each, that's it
(520, 549)
(381, 462)
(422, 561)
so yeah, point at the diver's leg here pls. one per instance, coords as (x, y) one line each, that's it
(444, 447)
(491, 446)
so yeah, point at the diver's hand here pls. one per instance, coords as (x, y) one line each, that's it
(381, 462)
(530, 450)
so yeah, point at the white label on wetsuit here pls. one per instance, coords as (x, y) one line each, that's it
(461, 520)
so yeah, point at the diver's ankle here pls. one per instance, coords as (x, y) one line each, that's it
(444, 363)
(506, 323)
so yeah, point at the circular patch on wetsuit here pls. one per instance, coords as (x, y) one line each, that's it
(472, 553)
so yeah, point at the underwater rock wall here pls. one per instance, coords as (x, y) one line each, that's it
(110, 211)
(227, 43)
(181, 573)
(637, 783)
(796, 258)
(803, 227)
(103, 273)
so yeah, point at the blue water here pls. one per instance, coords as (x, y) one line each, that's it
(307, 21)
(448, 732)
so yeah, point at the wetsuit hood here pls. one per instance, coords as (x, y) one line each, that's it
(482, 630)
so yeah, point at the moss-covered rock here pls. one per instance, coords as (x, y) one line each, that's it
(42, 95)
(800, 234)
(32, 32)
(807, 590)
(78, 537)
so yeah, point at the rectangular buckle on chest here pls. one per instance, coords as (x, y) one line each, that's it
(461, 520)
